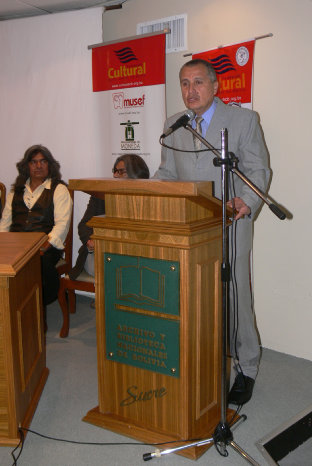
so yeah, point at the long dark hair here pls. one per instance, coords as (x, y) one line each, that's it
(135, 166)
(23, 168)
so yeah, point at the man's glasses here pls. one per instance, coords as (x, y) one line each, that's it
(120, 171)
(33, 163)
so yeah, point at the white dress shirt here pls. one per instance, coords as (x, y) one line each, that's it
(62, 210)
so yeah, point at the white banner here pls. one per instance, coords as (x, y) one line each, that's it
(132, 74)
(137, 118)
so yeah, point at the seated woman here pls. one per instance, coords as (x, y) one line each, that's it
(125, 166)
(40, 201)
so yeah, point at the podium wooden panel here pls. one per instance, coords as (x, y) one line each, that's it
(23, 371)
(167, 221)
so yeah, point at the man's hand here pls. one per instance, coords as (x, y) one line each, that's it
(45, 247)
(239, 206)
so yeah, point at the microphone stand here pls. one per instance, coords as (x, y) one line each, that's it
(223, 435)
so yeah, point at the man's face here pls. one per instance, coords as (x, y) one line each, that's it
(197, 89)
(38, 168)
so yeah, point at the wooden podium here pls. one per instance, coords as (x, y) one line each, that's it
(23, 371)
(158, 306)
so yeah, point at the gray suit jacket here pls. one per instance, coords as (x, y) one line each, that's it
(245, 140)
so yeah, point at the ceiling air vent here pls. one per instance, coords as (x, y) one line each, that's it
(176, 39)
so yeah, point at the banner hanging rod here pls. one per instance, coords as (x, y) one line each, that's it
(221, 46)
(124, 39)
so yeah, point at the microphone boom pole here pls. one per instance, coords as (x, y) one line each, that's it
(272, 206)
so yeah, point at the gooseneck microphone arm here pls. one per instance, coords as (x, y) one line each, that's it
(182, 121)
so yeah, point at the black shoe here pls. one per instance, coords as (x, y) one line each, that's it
(241, 390)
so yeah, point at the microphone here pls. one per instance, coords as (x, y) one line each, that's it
(182, 121)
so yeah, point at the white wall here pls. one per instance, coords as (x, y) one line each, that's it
(47, 98)
(45, 83)
(282, 96)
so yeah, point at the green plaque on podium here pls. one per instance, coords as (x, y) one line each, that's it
(142, 310)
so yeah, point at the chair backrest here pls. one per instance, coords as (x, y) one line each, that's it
(2, 197)
(65, 264)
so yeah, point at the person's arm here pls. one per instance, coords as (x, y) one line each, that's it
(62, 216)
(253, 163)
(6, 219)
(95, 207)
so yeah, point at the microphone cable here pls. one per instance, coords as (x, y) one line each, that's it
(20, 446)
(234, 303)
(21, 431)
(185, 150)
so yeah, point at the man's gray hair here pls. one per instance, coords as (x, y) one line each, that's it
(199, 61)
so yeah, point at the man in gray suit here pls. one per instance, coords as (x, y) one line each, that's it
(199, 86)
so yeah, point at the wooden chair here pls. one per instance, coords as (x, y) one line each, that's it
(64, 265)
(66, 294)
(2, 197)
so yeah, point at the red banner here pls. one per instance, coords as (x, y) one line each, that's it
(234, 66)
(129, 64)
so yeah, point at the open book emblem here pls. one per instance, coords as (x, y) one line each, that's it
(140, 284)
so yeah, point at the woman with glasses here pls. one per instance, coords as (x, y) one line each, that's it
(40, 201)
(125, 166)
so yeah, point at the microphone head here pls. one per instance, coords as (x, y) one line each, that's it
(190, 113)
(182, 121)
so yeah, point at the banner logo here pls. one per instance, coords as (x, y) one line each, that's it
(222, 64)
(125, 55)
(242, 56)
(120, 101)
(129, 143)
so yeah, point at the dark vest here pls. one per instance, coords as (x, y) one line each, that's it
(39, 218)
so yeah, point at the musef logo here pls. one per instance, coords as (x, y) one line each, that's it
(120, 101)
